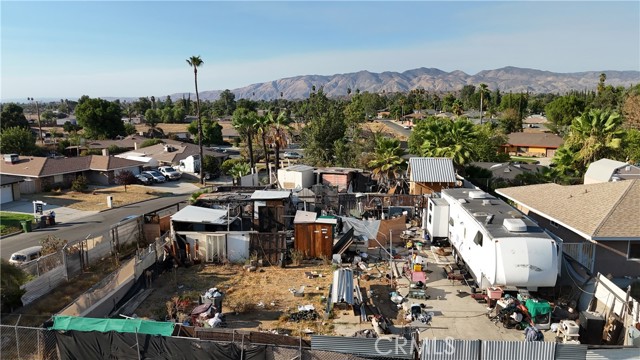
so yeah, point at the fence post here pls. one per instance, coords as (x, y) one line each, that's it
(242, 348)
(39, 343)
(15, 327)
(64, 261)
(137, 344)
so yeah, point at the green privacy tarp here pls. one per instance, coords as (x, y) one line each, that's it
(537, 307)
(106, 325)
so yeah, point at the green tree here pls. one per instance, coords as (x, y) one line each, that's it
(595, 134)
(631, 108)
(388, 161)
(48, 116)
(12, 115)
(10, 291)
(279, 133)
(125, 178)
(263, 127)
(325, 126)
(562, 110)
(151, 118)
(195, 62)
(179, 114)
(17, 140)
(99, 118)
(211, 130)
(129, 129)
(228, 164)
(456, 108)
(69, 127)
(488, 143)
(211, 165)
(239, 170)
(244, 121)
(225, 105)
(510, 121)
(444, 138)
(141, 106)
(631, 146)
(602, 79)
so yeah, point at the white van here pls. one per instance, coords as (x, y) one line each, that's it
(25, 255)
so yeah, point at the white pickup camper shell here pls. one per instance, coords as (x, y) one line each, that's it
(500, 246)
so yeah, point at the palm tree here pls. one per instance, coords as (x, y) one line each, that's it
(388, 161)
(280, 133)
(239, 170)
(195, 62)
(244, 122)
(452, 139)
(595, 135)
(483, 90)
(263, 125)
(456, 108)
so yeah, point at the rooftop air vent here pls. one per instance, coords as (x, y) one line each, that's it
(11, 158)
(515, 225)
(477, 195)
(486, 202)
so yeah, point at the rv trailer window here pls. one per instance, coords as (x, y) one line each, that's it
(451, 221)
(429, 219)
(430, 206)
(478, 238)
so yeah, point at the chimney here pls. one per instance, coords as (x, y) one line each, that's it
(105, 152)
(135, 145)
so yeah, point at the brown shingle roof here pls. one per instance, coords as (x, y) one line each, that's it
(603, 210)
(544, 140)
(34, 166)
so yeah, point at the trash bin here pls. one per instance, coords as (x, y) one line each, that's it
(43, 221)
(26, 225)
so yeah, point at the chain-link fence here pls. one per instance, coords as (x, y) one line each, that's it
(27, 343)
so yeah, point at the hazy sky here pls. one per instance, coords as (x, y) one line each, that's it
(58, 49)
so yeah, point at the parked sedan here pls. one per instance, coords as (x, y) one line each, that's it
(144, 179)
(292, 155)
(156, 176)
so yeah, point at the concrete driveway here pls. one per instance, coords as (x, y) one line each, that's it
(175, 187)
(63, 214)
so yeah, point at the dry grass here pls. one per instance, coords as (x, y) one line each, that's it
(96, 200)
(178, 128)
(253, 300)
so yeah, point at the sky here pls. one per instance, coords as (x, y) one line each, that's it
(54, 49)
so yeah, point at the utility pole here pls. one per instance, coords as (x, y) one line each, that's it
(39, 123)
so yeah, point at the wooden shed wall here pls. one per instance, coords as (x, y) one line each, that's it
(314, 240)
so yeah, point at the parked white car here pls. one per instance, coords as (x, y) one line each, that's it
(169, 172)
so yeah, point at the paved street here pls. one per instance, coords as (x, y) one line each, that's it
(79, 228)
(396, 127)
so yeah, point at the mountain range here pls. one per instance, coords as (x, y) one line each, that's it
(506, 79)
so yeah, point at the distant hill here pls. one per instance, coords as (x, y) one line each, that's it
(506, 79)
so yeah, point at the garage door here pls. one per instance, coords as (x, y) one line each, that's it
(6, 195)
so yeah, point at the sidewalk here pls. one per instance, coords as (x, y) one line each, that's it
(63, 214)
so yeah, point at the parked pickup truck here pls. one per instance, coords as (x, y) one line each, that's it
(169, 172)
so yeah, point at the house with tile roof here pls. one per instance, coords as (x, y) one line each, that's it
(9, 188)
(42, 173)
(430, 174)
(598, 222)
(532, 144)
(605, 170)
(170, 153)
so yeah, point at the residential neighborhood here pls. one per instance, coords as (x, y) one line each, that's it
(319, 180)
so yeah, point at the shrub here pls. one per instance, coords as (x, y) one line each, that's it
(12, 278)
(80, 184)
(150, 142)
(125, 178)
(296, 257)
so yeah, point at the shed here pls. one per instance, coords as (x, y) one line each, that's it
(271, 209)
(313, 236)
(296, 177)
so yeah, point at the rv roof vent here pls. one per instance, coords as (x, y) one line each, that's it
(11, 158)
(477, 194)
(515, 225)
(489, 219)
(462, 201)
(515, 214)
(486, 202)
(477, 214)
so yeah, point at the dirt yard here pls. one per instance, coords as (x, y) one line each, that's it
(96, 200)
(253, 300)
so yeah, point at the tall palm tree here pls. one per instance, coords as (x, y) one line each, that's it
(244, 122)
(450, 139)
(483, 90)
(280, 133)
(239, 170)
(263, 127)
(196, 62)
(456, 108)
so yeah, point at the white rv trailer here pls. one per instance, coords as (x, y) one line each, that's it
(499, 245)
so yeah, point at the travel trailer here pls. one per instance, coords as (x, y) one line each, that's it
(499, 245)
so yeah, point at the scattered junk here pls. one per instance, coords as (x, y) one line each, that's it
(304, 313)
(366, 333)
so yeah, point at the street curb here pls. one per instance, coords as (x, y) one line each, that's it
(12, 234)
(137, 202)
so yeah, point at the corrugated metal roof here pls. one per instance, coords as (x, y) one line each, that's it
(342, 286)
(436, 349)
(521, 350)
(431, 170)
(613, 354)
(397, 348)
(571, 352)
(270, 195)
